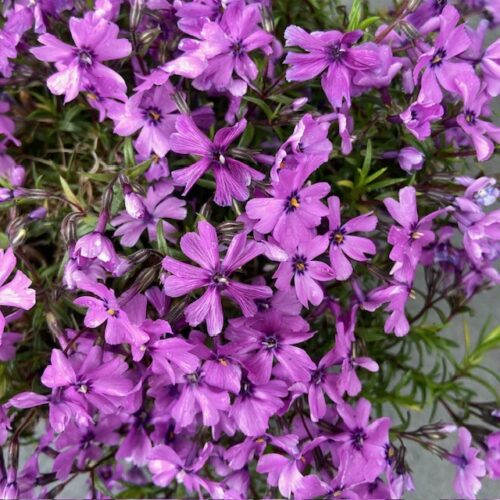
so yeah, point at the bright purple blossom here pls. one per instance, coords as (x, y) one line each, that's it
(469, 467)
(213, 275)
(332, 51)
(493, 455)
(305, 271)
(294, 209)
(232, 177)
(17, 292)
(419, 117)
(344, 244)
(96, 40)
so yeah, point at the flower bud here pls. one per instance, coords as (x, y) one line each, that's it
(410, 159)
(135, 14)
(133, 203)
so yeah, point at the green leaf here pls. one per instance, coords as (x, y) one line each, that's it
(262, 105)
(355, 15)
(160, 238)
(138, 169)
(128, 153)
(368, 22)
(70, 196)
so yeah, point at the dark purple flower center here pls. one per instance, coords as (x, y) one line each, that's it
(470, 117)
(358, 437)
(460, 461)
(220, 280)
(193, 378)
(438, 57)
(237, 48)
(263, 304)
(86, 440)
(439, 5)
(85, 57)
(299, 264)
(246, 388)
(336, 53)
(153, 115)
(218, 156)
(414, 114)
(270, 342)
(337, 236)
(292, 202)
(318, 376)
(390, 453)
(83, 387)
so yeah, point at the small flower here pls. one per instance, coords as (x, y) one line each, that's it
(418, 118)
(214, 275)
(96, 41)
(232, 177)
(469, 467)
(493, 455)
(17, 292)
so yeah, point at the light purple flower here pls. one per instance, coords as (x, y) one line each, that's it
(469, 467)
(493, 455)
(418, 118)
(293, 211)
(7, 126)
(305, 271)
(213, 275)
(146, 213)
(96, 41)
(344, 244)
(439, 64)
(490, 65)
(410, 159)
(332, 51)
(481, 132)
(232, 177)
(104, 308)
(17, 292)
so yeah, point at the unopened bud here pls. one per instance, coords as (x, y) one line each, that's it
(133, 203)
(146, 38)
(413, 5)
(409, 30)
(135, 14)
(180, 102)
(227, 230)
(16, 231)
(68, 227)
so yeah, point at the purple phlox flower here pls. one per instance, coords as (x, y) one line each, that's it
(439, 64)
(166, 465)
(293, 211)
(482, 133)
(305, 271)
(482, 191)
(8, 345)
(232, 177)
(137, 445)
(411, 236)
(344, 354)
(91, 380)
(96, 41)
(443, 253)
(426, 16)
(226, 46)
(7, 126)
(363, 442)
(285, 472)
(410, 159)
(214, 276)
(309, 144)
(146, 212)
(15, 174)
(82, 444)
(164, 352)
(481, 238)
(104, 100)
(78, 268)
(239, 455)
(221, 370)
(285, 301)
(197, 396)
(492, 457)
(332, 51)
(97, 246)
(479, 275)
(490, 66)
(266, 337)
(418, 118)
(153, 112)
(15, 293)
(256, 404)
(469, 467)
(158, 170)
(346, 128)
(344, 244)
(395, 295)
(105, 308)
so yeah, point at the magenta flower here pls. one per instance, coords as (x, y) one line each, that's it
(481, 132)
(154, 113)
(418, 118)
(7, 124)
(232, 177)
(411, 236)
(439, 63)
(469, 467)
(106, 309)
(490, 64)
(493, 455)
(256, 404)
(305, 271)
(148, 212)
(332, 51)
(17, 292)
(363, 442)
(96, 41)
(214, 275)
(344, 244)
(293, 211)
(226, 46)
(266, 337)
(197, 396)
